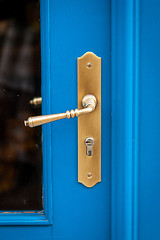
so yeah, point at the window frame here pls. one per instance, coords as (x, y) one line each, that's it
(43, 217)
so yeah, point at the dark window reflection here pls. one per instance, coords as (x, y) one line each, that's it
(20, 147)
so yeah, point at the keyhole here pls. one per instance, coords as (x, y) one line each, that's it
(89, 142)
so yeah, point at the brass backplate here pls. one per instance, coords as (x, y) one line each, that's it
(89, 125)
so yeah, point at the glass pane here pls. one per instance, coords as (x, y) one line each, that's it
(20, 82)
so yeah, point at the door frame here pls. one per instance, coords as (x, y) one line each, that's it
(125, 118)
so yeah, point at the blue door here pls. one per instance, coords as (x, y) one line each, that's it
(42, 44)
(52, 204)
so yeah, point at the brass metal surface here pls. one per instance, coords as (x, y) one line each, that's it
(89, 82)
(36, 101)
(88, 102)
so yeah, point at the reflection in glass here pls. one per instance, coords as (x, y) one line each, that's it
(20, 82)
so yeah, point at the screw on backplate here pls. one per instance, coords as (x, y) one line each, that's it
(89, 175)
(89, 64)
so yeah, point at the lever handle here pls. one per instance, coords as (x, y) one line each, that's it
(89, 103)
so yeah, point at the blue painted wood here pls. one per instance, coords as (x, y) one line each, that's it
(125, 118)
(77, 27)
(46, 109)
(135, 196)
(149, 124)
(72, 211)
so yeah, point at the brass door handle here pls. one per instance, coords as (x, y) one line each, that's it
(89, 103)
(89, 125)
